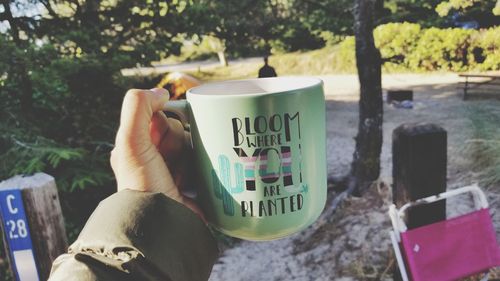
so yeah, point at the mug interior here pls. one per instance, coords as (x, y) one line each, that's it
(255, 86)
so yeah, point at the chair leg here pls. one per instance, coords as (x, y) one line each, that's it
(399, 257)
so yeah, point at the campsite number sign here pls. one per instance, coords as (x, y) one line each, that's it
(17, 234)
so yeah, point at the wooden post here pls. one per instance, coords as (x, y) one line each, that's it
(419, 170)
(43, 214)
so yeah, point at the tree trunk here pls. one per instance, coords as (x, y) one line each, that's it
(222, 58)
(365, 167)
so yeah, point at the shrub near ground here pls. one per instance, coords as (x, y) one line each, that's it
(405, 47)
(396, 41)
(442, 49)
(488, 42)
(408, 47)
(69, 131)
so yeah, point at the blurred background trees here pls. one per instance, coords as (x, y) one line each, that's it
(60, 61)
(61, 87)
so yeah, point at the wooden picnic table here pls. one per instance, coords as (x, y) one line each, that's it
(487, 82)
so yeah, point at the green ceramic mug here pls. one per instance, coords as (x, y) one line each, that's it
(260, 153)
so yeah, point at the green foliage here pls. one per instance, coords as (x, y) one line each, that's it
(421, 12)
(396, 38)
(79, 166)
(326, 60)
(323, 61)
(121, 33)
(196, 48)
(328, 15)
(488, 41)
(496, 10)
(61, 88)
(25, 153)
(409, 47)
(442, 49)
(346, 54)
(295, 38)
(396, 41)
(444, 7)
(439, 13)
(254, 27)
(243, 32)
(330, 38)
(406, 46)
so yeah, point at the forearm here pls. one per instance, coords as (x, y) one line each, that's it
(139, 236)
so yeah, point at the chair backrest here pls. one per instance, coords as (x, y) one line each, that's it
(449, 249)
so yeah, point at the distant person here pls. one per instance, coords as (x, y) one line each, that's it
(267, 70)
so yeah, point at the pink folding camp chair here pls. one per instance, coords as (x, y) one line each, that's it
(447, 250)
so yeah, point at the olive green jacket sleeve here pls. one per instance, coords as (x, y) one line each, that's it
(139, 236)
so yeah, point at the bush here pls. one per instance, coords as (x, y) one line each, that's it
(442, 49)
(396, 41)
(489, 43)
(403, 46)
(345, 57)
(408, 47)
(69, 130)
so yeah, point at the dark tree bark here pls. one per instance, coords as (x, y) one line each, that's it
(365, 166)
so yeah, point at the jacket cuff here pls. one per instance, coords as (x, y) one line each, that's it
(140, 231)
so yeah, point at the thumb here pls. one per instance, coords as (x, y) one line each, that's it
(137, 110)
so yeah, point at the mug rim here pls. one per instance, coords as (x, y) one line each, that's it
(261, 86)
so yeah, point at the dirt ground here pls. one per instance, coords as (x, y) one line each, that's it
(353, 243)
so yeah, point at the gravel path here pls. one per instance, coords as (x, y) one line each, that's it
(353, 244)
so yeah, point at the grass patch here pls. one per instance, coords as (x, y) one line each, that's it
(484, 147)
(327, 60)
(330, 59)
(231, 72)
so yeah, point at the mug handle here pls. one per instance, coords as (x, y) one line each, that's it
(180, 109)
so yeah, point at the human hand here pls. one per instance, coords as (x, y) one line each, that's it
(150, 151)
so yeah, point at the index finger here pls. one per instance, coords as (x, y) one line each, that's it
(137, 110)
